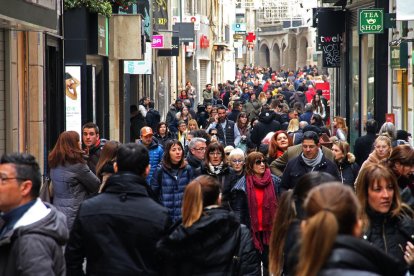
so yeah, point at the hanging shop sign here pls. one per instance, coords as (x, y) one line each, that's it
(160, 15)
(330, 36)
(157, 41)
(371, 21)
(185, 31)
(399, 56)
(239, 28)
(174, 52)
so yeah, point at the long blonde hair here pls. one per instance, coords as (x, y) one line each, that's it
(332, 209)
(199, 193)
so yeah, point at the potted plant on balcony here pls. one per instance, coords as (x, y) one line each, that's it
(103, 7)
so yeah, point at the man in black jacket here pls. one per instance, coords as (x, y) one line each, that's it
(266, 124)
(311, 159)
(117, 230)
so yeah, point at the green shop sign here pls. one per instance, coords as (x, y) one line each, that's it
(371, 21)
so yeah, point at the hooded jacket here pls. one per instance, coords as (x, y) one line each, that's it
(348, 170)
(265, 125)
(72, 184)
(117, 230)
(209, 247)
(35, 245)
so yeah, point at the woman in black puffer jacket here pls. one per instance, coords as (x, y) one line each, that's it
(387, 223)
(209, 239)
(345, 161)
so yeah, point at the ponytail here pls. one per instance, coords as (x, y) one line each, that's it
(284, 216)
(201, 192)
(318, 236)
(192, 206)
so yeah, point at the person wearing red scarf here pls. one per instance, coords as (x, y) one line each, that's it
(259, 191)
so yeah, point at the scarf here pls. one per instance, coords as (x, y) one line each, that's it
(313, 162)
(270, 204)
(215, 169)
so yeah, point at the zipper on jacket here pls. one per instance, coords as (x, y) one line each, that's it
(383, 237)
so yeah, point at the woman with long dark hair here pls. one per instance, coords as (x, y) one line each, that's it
(163, 134)
(210, 240)
(72, 179)
(170, 179)
(105, 165)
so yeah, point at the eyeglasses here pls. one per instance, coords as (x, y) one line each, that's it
(237, 161)
(200, 149)
(259, 162)
(215, 153)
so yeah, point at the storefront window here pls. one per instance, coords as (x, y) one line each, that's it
(371, 78)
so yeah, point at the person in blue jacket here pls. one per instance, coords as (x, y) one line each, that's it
(170, 179)
(155, 149)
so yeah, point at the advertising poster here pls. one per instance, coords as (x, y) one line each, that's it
(73, 98)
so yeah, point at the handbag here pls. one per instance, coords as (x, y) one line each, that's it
(46, 190)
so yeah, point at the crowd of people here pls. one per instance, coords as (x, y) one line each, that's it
(253, 182)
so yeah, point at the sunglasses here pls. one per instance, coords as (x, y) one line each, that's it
(259, 162)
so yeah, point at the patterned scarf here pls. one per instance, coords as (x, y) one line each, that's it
(270, 204)
(215, 169)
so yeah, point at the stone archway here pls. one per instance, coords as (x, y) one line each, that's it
(275, 63)
(292, 53)
(303, 51)
(264, 56)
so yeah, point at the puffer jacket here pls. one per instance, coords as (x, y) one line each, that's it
(352, 256)
(72, 184)
(35, 245)
(390, 233)
(155, 154)
(238, 199)
(169, 188)
(209, 246)
(348, 170)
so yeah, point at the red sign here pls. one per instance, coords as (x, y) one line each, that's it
(204, 42)
(251, 37)
(326, 89)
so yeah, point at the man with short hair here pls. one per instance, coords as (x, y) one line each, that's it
(117, 230)
(92, 144)
(197, 149)
(307, 115)
(311, 159)
(155, 150)
(208, 94)
(227, 130)
(32, 233)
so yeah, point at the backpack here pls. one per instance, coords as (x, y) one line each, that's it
(153, 118)
(297, 97)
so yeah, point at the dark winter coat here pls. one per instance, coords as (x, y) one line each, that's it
(136, 123)
(352, 256)
(389, 233)
(163, 140)
(363, 147)
(348, 170)
(222, 177)
(169, 187)
(297, 168)
(153, 119)
(35, 248)
(209, 247)
(265, 125)
(238, 199)
(72, 184)
(117, 230)
(93, 155)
